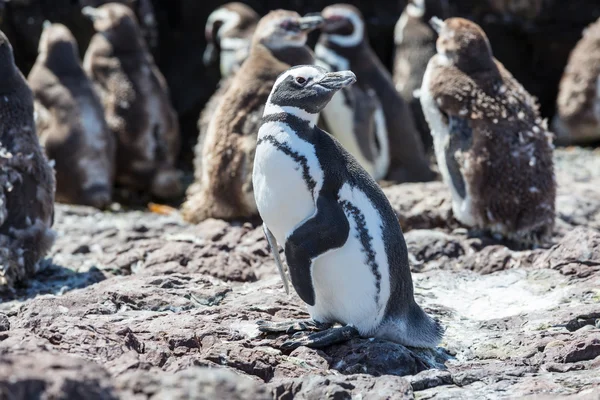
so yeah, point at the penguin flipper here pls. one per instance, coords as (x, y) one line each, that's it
(275, 250)
(326, 230)
(459, 140)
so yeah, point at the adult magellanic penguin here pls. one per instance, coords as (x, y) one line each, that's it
(136, 102)
(26, 178)
(343, 244)
(344, 45)
(70, 122)
(223, 185)
(492, 147)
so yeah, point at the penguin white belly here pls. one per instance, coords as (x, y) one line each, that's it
(352, 282)
(462, 208)
(283, 198)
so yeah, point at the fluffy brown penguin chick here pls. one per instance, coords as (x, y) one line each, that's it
(492, 147)
(223, 184)
(136, 102)
(26, 178)
(70, 122)
(578, 104)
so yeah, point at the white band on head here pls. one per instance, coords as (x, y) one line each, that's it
(230, 20)
(356, 37)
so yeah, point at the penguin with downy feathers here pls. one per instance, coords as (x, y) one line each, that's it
(70, 122)
(492, 147)
(26, 178)
(343, 244)
(223, 188)
(414, 42)
(229, 31)
(136, 102)
(578, 104)
(343, 45)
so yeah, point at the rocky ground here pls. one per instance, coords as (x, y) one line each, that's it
(136, 305)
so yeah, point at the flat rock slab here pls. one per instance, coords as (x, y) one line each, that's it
(135, 305)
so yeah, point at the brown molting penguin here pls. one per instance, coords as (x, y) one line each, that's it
(578, 104)
(344, 45)
(70, 122)
(136, 102)
(26, 178)
(492, 147)
(414, 42)
(229, 31)
(223, 185)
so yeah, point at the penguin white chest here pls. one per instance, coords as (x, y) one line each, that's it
(287, 176)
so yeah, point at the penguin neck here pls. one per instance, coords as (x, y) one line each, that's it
(348, 52)
(294, 55)
(273, 110)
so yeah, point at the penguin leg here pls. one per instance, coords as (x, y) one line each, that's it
(275, 250)
(292, 326)
(322, 339)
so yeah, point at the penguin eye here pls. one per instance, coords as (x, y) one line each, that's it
(300, 80)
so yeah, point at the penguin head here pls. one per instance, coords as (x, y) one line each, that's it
(228, 28)
(344, 25)
(281, 28)
(7, 59)
(464, 44)
(117, 23)
(307, 88)
(58, 46)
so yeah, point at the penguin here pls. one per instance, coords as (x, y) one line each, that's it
(343, 45)
(223, 184)
(229, 31)
(26, 178)
(70, 122)
(493, 149)
(577, 120)
(343, 244)
(136, 102)
(414, 41)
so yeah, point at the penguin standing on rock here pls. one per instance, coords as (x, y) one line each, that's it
(578, 104)
(223, 185)
(136, 102)
(344, 45)
(492, 147)
(70, 121)
(229, 31)
(26, 178)
(343, 244)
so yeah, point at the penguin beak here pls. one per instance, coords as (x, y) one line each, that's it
(46, 24)
(93, 13)
(437, 24)
(337, 80)
(310, 22)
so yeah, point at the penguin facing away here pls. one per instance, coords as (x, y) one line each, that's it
(223, 186)
(414, 42)
(229, 31)
(70, 122)
(136, 102)
(26, 178)
(343, 45)
(578, 104)
(343, 244)
(492, 147)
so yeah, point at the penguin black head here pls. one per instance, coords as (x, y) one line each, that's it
(227, 29)
(281, 28)
(7, 59)
(464, 44)
(58, 47)
(344, 25)
(305, 90)
(117, 23)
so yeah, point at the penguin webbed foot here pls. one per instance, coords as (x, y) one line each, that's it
(293, 326)
(321, 339)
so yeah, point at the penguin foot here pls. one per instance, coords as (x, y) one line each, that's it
(299, 325)
(322, 339)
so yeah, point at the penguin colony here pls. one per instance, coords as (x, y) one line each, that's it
(108, 122)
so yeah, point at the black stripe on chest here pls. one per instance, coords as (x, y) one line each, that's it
(294, 155)
(366, 241)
